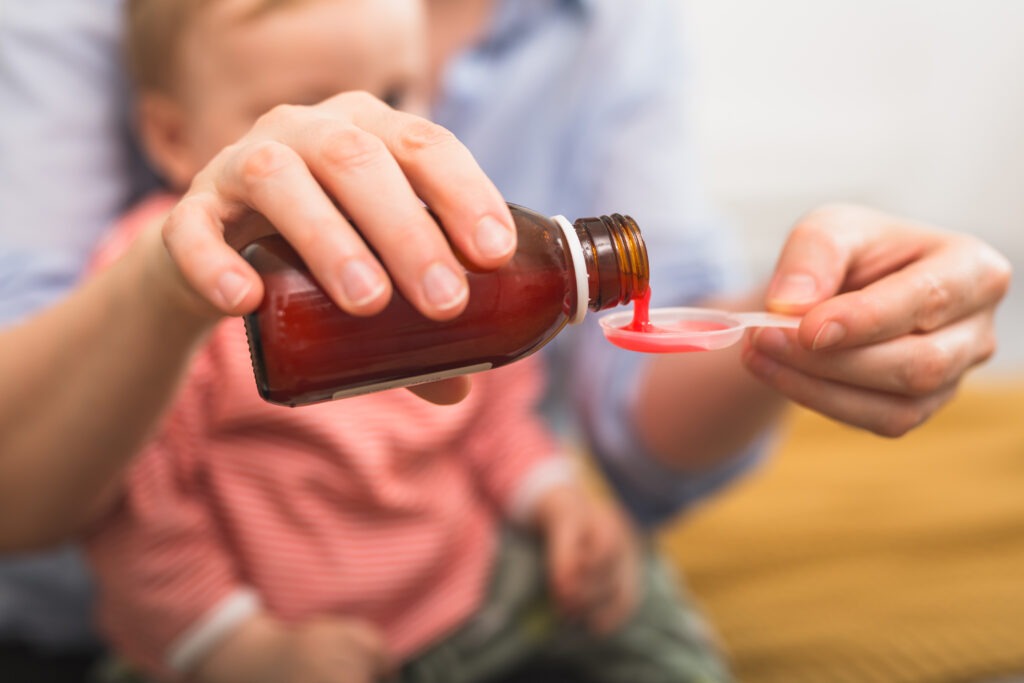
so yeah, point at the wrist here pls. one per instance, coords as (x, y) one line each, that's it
(256, 652)
(560, 502)
(550, 479)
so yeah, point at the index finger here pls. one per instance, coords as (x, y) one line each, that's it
(444, 174)
(941, 288)
(892, 276)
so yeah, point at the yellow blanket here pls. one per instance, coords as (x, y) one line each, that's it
(852, 558)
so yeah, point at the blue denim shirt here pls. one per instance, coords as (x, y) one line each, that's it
(576, 107)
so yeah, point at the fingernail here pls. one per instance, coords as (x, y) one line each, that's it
(830, 334)
(232, 288)
(493, 239)
(443, 288)
(795, 290)
(360, 282)
(771, 341)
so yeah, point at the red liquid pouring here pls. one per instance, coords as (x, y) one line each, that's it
(641, 326)
(641, 314)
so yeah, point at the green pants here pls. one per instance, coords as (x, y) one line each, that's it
(664, 641)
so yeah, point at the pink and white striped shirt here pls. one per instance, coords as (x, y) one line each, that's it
(382, 507)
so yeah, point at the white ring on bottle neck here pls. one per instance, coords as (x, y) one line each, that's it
(578, 265)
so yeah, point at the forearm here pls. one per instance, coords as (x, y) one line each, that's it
(254, 653)
(695, 410)
(84, 381)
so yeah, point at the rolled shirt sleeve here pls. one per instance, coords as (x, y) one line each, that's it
(64, 175)
(580, 108)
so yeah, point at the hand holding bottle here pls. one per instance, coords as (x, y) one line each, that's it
(309, 171)
(894, 314)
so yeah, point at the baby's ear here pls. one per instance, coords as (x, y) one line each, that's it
(162, 131)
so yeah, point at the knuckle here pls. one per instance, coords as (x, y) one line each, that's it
(419, 135)
(349, 147)
(360, 98)
(263, 160)
(278, 114)
(901, 420)
(180, 217)
(928, 370)
(936, 304)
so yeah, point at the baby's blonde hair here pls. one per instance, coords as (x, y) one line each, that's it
(154, 29)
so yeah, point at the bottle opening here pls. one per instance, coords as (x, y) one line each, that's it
(615, 247)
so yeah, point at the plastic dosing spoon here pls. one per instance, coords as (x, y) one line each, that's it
(678, 330)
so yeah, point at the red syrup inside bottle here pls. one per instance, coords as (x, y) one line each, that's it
(305, 349)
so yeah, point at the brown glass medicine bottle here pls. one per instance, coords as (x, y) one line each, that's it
(305, 349)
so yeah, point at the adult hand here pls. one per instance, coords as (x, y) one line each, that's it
(593, 559)
(314, 172)
(894, 314)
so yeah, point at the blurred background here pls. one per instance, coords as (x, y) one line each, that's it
(847, 557)
(913, 106)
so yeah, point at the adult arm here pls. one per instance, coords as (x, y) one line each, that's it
(670, 429)
(89, 376)
(93, 372)
(895, 315)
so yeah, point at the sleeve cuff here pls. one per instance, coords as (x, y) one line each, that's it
(196, 642)
(539, 480)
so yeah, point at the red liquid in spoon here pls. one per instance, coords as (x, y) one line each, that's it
(641, 323)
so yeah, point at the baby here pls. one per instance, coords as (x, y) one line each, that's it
(375, 538)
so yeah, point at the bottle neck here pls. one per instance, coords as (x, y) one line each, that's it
(616, 261)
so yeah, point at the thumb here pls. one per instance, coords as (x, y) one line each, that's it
(813, 263)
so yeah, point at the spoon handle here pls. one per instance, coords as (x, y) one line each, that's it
(768, 320)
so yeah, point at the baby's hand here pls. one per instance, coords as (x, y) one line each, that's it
(321, 650)
(332, 650)
(592, 557)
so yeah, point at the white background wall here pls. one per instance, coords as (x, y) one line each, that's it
(915, 106)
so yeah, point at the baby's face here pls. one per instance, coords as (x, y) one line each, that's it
(235, 69)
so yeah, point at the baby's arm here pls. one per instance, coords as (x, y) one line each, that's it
(592, 556)
(520, 466)
(325, 650)
(513, 455)
(174, 604)
(169, 589)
